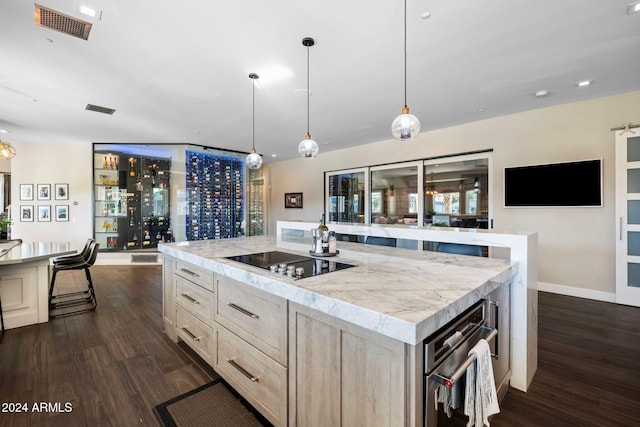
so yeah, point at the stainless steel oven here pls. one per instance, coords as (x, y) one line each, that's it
(446, 356)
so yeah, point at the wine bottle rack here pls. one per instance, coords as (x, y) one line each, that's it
(215, 192)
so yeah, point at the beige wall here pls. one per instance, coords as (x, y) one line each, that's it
(576, 245)
(47, 163)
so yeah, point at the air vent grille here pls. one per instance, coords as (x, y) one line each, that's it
(57, 21)
(99, 109)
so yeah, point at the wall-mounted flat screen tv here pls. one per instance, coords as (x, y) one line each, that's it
(577, 183)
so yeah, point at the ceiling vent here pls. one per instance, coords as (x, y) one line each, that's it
(99, 109)
(57, 21)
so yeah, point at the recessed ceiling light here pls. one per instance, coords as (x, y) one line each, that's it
(633, 8)
(273, 155)
(4, 131)
(542, 93)
(86, 10)
(425, 15)
(584, 83)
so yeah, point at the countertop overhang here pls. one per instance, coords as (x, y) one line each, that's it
(17, 252)
(400, 293)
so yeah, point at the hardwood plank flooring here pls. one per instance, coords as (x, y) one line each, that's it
(115, 364)
(588, 368)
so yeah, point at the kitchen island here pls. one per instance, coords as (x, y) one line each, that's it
(24, 280)
(344, 347)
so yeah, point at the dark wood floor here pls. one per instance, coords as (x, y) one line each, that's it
(114, 365)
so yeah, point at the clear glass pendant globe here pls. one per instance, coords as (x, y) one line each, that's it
(405, 127)
(308, 148)
(254, 161)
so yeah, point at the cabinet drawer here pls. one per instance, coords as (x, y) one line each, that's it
(195, 333)
(258, 378)
(254, 315)
(197, 275)
(196, 300)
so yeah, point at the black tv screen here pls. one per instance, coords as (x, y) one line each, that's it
(566, 184)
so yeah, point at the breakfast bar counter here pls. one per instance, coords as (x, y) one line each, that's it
(24, 280)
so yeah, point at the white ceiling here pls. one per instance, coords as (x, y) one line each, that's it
(178, 71)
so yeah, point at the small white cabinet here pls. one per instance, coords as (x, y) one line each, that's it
(19, 295)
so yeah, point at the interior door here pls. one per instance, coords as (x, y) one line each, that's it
(628, 216)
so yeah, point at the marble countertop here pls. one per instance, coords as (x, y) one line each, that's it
(15, 252)
(401, 293)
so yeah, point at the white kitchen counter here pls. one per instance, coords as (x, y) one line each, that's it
(403, 294)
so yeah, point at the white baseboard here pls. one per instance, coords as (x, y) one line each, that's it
(577, 292)
(126, 258)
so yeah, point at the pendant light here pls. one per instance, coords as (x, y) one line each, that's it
(406, 126)
(254, 160)
(308, 148)
(7, 151)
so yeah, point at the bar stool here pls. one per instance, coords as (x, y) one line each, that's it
(86, 298)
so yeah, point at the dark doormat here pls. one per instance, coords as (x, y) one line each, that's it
(213, 404)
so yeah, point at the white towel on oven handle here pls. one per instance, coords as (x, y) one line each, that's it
(481, 399)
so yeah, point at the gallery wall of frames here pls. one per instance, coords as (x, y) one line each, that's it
(44, 202)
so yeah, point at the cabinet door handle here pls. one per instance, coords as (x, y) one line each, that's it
(242, 310)
(621, 235)
(189, 272)
(242, 370)
(195, 301)
(496, 325)
(188, 332)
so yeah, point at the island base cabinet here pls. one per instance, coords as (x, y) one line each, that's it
(168, 297)
(195, 334)
(343, 375)
(258, 378)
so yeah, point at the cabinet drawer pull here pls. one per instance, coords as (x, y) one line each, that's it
(242, 370)
(188, 332)
(195, 301)
(189, 272)
(242, 310)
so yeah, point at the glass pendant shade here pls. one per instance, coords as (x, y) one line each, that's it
(406, 126)
(308, 148)
(6, 150)
(254, 160)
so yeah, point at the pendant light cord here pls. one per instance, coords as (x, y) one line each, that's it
(253, 118)
(308, 91)
(405, 53)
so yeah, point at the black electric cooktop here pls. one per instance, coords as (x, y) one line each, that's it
(291, 265)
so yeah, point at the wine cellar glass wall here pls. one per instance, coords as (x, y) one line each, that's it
(131, 201)
(215, 203)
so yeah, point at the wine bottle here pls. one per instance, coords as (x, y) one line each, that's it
(324, 230)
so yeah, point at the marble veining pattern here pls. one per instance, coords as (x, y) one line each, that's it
(400, 293)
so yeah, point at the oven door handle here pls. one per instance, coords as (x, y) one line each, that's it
(462, 369)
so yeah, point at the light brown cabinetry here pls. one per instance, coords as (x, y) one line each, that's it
(168, 297)
(251, 354)
(341, 374)
(194, 306)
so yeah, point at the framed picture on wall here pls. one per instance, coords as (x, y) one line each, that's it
(26, 191)
(44, 213)
(44, 191)
(293, 200)
(61, 191)
(26, 213)
(62, 212)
